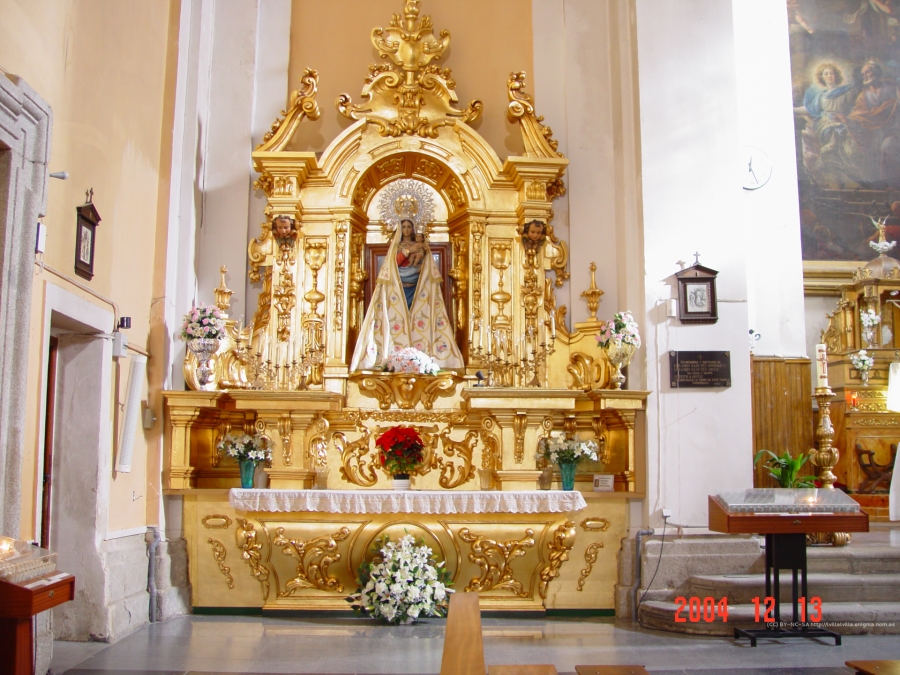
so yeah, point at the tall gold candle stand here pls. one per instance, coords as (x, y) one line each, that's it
(825, 459)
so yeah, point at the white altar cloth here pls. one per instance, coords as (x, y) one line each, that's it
(412, 501)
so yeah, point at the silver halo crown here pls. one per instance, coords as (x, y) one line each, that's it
(406, 199)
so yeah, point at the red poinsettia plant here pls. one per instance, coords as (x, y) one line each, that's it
(401, 450)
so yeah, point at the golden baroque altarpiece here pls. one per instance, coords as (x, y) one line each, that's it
(865, 430)
(287, 375)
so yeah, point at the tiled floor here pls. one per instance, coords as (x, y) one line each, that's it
(207, 644)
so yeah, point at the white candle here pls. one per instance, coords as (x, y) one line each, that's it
(302, 341)
(553, 325)
(821, 366)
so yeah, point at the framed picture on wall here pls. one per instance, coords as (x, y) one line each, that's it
(697, 295)
(86, 222)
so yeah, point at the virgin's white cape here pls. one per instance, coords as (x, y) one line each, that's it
(390, 325)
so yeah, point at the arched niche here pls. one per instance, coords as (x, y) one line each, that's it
(437, 167)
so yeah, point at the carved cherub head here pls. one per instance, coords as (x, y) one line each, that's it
(534, 232)
(284, 229)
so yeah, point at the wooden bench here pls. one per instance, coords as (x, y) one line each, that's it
(875, 667)
(464, 647)
(463, 644)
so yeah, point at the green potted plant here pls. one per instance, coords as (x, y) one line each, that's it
(784, 469)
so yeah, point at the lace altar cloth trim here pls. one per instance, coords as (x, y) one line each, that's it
(413, 501)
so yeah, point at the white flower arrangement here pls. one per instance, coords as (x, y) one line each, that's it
(403, 582)
(622, 329)
(560, 449)
(411, 360)
(862, 361)
(868, 318)
(203, 322)
(245, 448)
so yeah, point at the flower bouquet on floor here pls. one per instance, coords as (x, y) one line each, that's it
(401, 450)
(402, 582)
(411, 360)
(566, 453)
(248, 451)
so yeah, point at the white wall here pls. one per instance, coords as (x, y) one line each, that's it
(645, 101)
(583, 88)
(699, 441)
(270, 97)
(223, 176)
(767, 221)
(247, 57)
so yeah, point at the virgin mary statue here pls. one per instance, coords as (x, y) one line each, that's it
(407, 307)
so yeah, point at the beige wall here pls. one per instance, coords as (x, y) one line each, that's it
(102, 66)
(489, 40)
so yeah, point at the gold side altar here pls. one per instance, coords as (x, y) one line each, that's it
(866, 433)
(287, 375)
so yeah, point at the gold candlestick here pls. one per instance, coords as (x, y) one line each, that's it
(825, 459)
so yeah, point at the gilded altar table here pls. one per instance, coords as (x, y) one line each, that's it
(300, 549)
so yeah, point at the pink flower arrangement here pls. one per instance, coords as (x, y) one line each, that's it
(203, 322)
(622, 329)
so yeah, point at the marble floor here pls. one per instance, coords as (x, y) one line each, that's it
(220, 644)
(210, 645)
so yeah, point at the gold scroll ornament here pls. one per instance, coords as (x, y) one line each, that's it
(406, 95)
(218, 551)
(247, 542)
(495, 559)
(313, 557)
(590, 554)
(558, 553)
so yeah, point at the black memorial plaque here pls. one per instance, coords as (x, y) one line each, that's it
(699, 369)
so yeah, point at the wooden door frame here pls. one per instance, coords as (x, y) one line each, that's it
(49, 415)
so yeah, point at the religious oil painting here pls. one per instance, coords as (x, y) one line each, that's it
(845, 65)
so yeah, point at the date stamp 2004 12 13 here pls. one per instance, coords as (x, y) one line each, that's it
(709, 609)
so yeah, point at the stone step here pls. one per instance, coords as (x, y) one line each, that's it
(742, 588)
(868, 559)
(846, 618)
